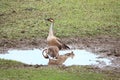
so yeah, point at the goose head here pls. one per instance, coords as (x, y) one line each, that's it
(50, 19)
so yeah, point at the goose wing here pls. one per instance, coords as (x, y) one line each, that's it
(64, 46)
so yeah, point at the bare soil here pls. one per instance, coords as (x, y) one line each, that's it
(107, 46)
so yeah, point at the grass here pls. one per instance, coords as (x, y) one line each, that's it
(73, 18)
(45, 74)
(16, 72)
(24, 19)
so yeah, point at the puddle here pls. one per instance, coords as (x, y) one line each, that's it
(35, 56)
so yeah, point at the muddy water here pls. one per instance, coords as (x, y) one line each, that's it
(82, 57)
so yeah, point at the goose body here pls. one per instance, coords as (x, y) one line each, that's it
(51, 51)
(53, 40)
(61, 59)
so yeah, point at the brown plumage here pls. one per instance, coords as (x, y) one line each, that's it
(51, 51)
(52, 40)
(61, 59)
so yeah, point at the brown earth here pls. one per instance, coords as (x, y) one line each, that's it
(105, 45)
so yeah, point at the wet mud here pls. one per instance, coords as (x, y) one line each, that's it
(106, 46)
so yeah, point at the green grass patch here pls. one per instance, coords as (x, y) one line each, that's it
(81, 18)
(4, 64)
(15, 72)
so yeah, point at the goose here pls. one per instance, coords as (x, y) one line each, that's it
(53, 40)
(51, 51)
(61, 59)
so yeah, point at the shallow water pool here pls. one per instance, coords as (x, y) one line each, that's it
(34, 56)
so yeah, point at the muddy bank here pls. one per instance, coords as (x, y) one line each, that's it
(108, 46)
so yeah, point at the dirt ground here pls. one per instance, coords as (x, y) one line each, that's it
(105, 45)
